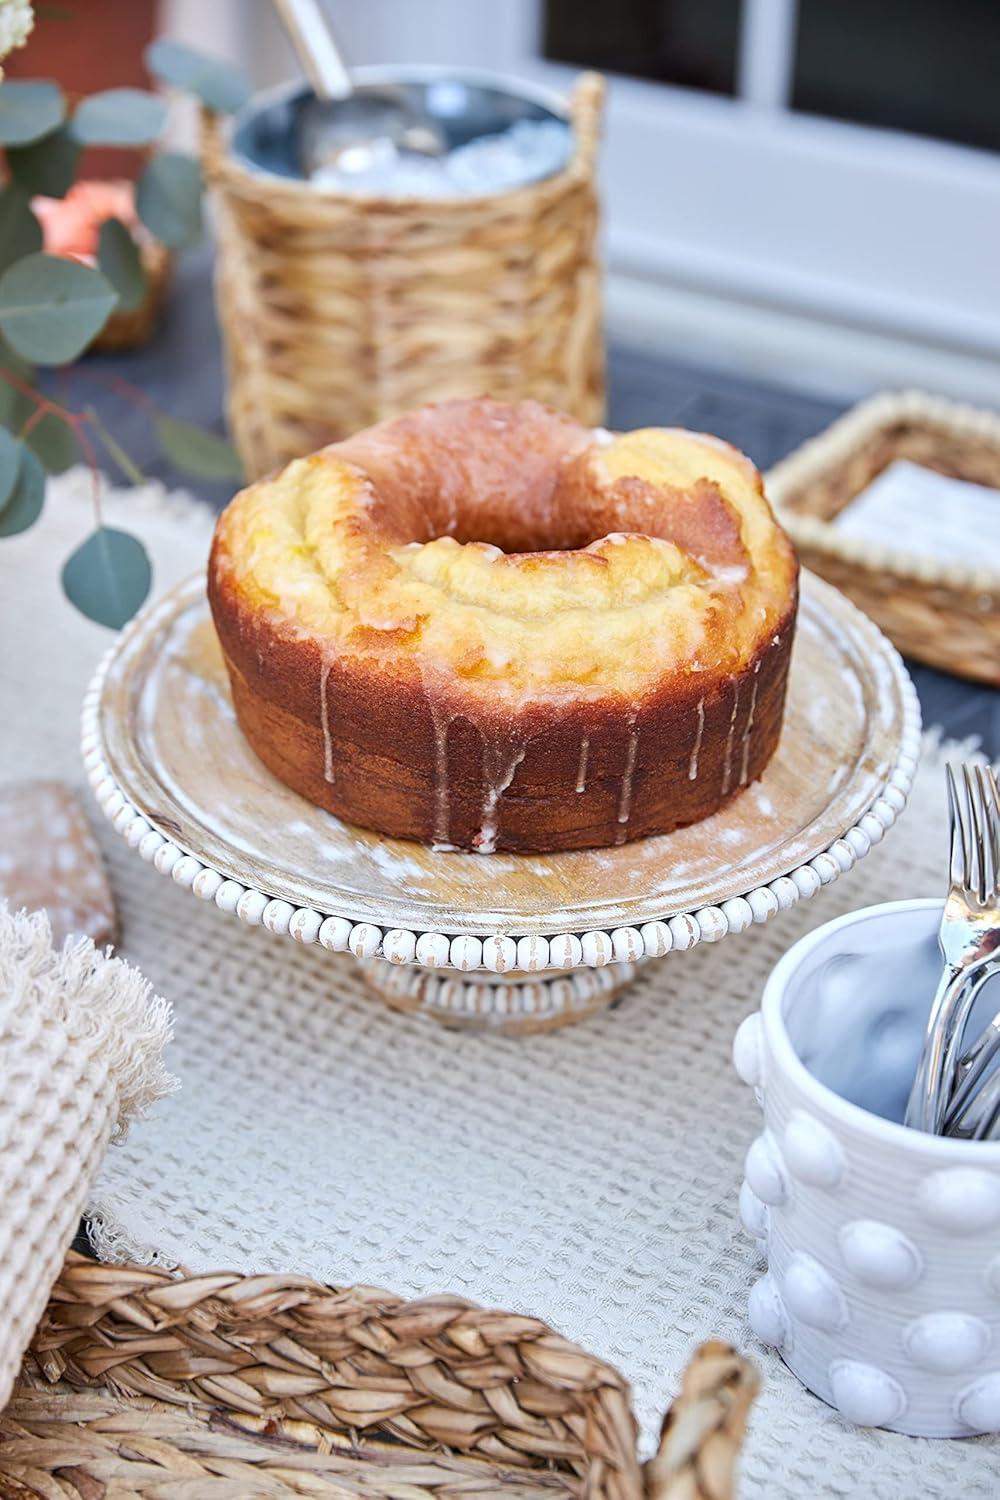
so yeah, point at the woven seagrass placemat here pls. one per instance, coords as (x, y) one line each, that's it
(587, 1177)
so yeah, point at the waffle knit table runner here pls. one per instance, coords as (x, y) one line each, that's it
(588, 1176)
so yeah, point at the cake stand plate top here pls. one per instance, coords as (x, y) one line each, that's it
(164, 750)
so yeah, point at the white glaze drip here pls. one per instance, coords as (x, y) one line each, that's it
(496, 785)
(581, 775)
(324, 719)
(625, 801)
(745, 762)
(696, 748)
(727, 766)
(731, 575)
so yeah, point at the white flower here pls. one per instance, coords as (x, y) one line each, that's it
(16, 21)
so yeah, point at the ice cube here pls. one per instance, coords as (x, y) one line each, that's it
(526, 152)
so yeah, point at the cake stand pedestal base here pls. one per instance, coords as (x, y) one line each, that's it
(513, 1004)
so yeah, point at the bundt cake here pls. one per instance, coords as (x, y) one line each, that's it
(488, 627)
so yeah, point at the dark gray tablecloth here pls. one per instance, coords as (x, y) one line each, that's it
(181, 373)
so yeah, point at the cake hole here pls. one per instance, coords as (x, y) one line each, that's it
(519, 478)
(517, 535)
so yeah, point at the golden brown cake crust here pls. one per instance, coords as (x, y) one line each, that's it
(367, 721)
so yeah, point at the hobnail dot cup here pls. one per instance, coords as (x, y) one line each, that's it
(882, 1289)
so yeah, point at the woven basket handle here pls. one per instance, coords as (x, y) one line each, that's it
(704, 1428)
(210, 145)
(360, 1350)
(586, 111)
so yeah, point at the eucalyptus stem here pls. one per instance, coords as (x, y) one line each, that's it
(74, 420)
(124, 460)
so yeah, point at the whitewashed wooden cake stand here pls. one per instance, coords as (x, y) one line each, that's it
(511, 942)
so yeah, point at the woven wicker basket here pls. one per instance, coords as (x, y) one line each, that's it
(338, 311)
(945, 615)
(225, 1387)
(131, 329)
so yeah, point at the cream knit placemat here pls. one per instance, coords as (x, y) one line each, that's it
(81, 1054)
(588, 1176)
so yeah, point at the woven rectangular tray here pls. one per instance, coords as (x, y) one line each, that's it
(140, 1383)
(945, 615)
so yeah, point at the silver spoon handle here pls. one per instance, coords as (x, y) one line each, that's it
(924, 1106)
(959, 1056)
(311, 34)
(977, 1121)
(972, 1065)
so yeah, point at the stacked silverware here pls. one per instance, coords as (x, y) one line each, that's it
(956, 1090)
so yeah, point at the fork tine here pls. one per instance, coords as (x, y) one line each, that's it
(992, 793)
(991, 776)
(990, 806)
(956, 832)
(975, 864)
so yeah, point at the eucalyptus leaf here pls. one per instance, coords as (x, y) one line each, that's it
(119, 259)
(28, 110)
(216, 83)
(47, 166)
(168, 199)
(196, 451)
(10, 458)
(50, 309)
(20, 231)
(119, 117)
(10, 360)
(15, 406)
(108, 577)
(52, 442)
(24, 505)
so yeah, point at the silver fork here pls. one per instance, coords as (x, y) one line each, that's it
(973, 1100)
(968, 936)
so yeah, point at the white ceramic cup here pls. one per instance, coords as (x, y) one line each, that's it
(882, 1292)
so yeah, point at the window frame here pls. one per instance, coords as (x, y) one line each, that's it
(834, 222)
